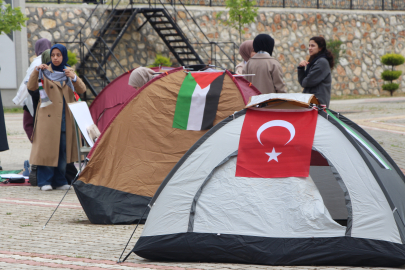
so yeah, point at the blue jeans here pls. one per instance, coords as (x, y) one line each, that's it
(54, 176)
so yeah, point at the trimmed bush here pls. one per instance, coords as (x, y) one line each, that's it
(392, 59)
(72, 59)
(389, 75)
(390, 87)
(160, 60)
(334, 47)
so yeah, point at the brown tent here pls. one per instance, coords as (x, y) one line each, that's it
(140, 147)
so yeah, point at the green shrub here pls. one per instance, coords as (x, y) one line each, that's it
(390, 87)
(392, 59)
(160, 60)
(334, 47)
(72, 59)
(389, 75)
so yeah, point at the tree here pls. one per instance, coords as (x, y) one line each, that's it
(392, 60)
(11, 19)
(160, 60)
(334, 47)
(241, 12)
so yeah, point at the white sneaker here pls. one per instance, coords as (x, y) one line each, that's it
(64, 187)
(46, 188)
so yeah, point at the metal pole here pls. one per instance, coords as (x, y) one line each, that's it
(382, 4)
(317, 4)
(283, 3)
(351, 4)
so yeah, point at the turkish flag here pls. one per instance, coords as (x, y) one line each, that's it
(276, 144)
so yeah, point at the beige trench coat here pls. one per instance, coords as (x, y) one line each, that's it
(268, 74)
(48, 121)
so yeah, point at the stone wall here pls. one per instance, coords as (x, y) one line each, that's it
(366, 36)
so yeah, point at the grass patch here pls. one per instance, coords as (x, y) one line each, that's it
(13, 110)
(25, 225)
(8, 213)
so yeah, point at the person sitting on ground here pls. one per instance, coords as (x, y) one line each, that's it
(140, 76)
(316, 77)
(54, 137)
(246, 51)
(268, 74)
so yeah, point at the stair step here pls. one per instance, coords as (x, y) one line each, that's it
(176, 40)
(184, 53)
(161, 29)
(114, 28)
(171, 35)
(159, 23)
(180, 47)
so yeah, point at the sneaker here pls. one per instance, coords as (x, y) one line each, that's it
(46, 188)
(64, 187)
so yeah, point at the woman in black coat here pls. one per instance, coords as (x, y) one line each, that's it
(315, 74)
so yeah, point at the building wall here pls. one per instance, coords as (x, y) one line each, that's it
(21, 61)
(366, 36)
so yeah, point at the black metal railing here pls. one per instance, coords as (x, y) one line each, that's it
(319, 4)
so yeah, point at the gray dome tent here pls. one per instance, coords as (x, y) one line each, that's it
(202, 212)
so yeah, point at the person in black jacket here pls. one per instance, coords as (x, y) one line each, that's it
(315, 74)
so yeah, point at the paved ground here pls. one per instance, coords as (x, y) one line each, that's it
(70, 241)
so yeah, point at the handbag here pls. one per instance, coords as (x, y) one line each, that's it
(15, 180)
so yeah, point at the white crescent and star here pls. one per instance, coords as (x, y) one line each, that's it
(276, 123)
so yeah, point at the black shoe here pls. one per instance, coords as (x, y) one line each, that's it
(33, 176)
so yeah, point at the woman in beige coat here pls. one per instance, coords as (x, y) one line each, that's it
(54, 135)
(268, 73)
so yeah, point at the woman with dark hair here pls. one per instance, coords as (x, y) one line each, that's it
(268, 72)
(316, 77)
(54, 136)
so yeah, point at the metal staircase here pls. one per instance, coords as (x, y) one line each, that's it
(175, 40)
(98, 64)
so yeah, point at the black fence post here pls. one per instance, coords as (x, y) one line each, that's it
(210, 3)
(317, 4)
(283, 3)
(351, 4)
(382, 4)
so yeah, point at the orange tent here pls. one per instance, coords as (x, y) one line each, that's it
(139, 148)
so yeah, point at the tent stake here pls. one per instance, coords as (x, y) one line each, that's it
(61, 200)
(126, 257)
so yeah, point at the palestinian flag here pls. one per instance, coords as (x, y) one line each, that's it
(197, 101)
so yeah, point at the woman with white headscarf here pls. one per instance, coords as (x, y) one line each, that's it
(23, 98)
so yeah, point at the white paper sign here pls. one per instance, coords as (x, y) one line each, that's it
(82, 115)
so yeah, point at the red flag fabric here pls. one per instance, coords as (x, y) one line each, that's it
(276, 144)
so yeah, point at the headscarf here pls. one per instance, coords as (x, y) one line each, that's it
(41, 45)
(63, 50)
(140, 76)
(245, 49)
(46, 56)
(263, 42)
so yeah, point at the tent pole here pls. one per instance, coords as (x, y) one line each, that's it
(126, 257)
(74, 180)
